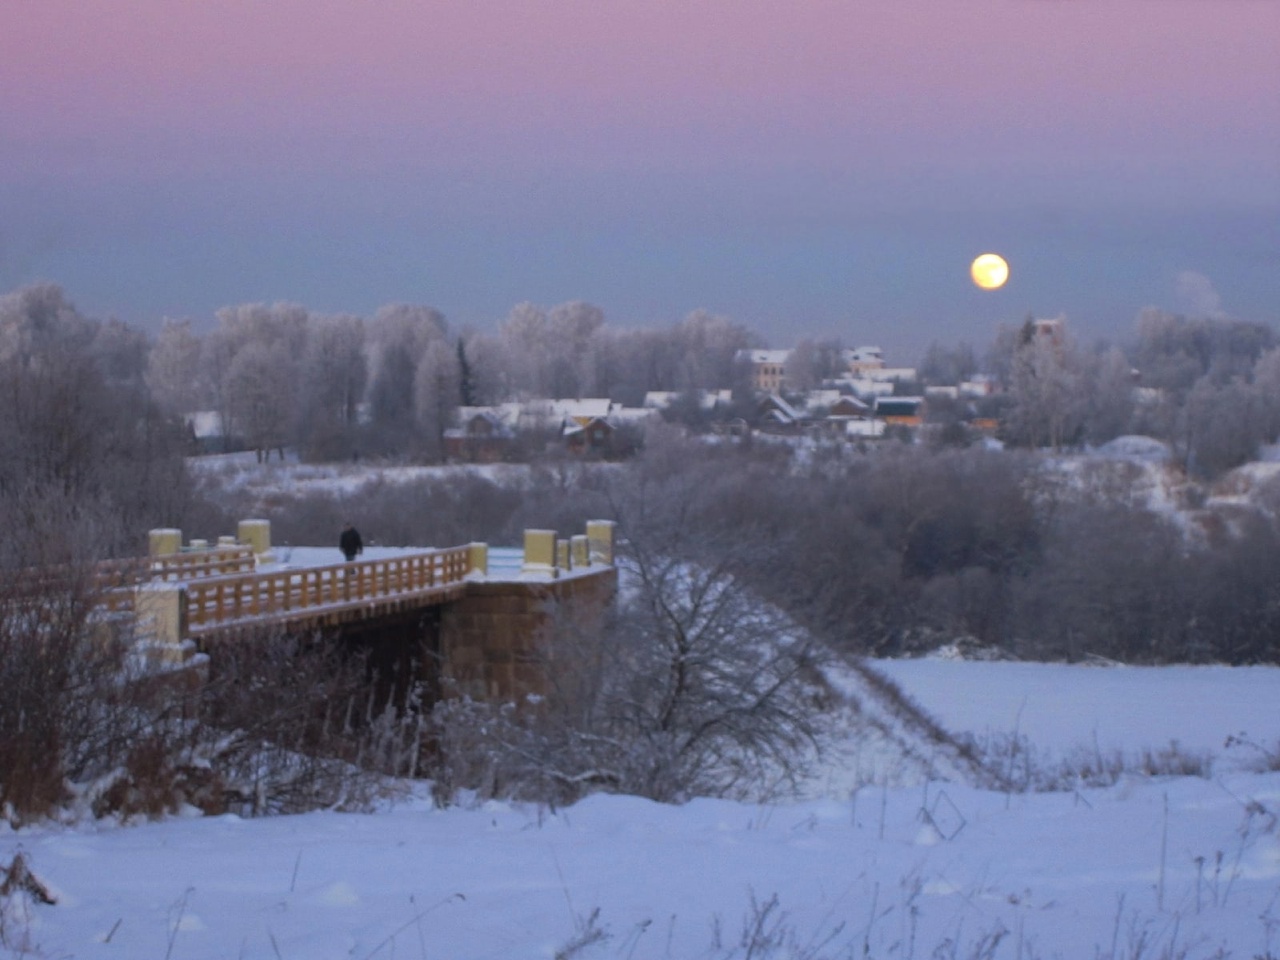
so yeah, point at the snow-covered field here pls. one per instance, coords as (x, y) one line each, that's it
(1062, 708)
(1148, 868)
(242, 472)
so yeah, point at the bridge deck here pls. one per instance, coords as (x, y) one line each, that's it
(326, 594)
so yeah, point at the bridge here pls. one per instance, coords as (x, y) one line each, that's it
(478, 618)
(316, 596)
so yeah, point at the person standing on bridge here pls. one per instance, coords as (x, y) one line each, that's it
(350, 543)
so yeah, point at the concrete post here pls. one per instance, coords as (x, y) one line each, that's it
(478, 559)
(563, 560)
(580, 548)
(163, 541)
(161, 610)
(539, 554)
(600, 535)
(257, 533)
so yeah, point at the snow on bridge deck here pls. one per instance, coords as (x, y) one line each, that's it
(505, 563)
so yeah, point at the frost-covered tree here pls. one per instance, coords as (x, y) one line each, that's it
(711, 686)
(1266, 382)
(709, 344)
(121, 353)
(262, 395)
(398, 337)
(37, 320)
(693, 687)
(1110, 398)
(527, 341)
(486, 363)
(1047, 391)
(253, 360)
(1222, 426)
(334, 375)
(173, 368)
(435, 389)
(948, 365)
(79, 429)
(573, 328)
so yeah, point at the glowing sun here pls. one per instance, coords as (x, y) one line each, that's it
(989, 271)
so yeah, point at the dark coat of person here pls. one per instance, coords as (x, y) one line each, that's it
(350, 543)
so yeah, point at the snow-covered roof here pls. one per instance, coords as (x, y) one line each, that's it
(632, 414)
(507, 414)
(764, 356)
(593, 407)
(775, 404)
(821, 398)
(980, 386)
(864, 428)
(890, 373)
(1147, 449)
(865, 387)
(205, 423)
(707, 399)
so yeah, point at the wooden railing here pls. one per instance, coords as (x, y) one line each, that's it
(214, 562)
(220, 601)
(115, 580)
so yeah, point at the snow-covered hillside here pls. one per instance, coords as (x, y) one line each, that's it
(1146, 868)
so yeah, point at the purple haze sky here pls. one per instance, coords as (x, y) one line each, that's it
(806, 167)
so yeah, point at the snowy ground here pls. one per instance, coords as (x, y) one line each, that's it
(241, 472)
(1146, 868)
(1063, 708)
(504, 562)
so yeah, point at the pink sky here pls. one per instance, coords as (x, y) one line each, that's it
(990, 103)
(778, 75)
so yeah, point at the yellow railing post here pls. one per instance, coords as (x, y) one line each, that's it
(257, 533)
(163, 541)
(600, 536)
(539, 554)
(162, 616)
(580, 549)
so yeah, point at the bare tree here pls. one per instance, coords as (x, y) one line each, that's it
(714, 690)
(693, 687)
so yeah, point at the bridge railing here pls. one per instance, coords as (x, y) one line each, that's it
(114, 580)
(118, 578)
(218, 601)
(214, 562)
